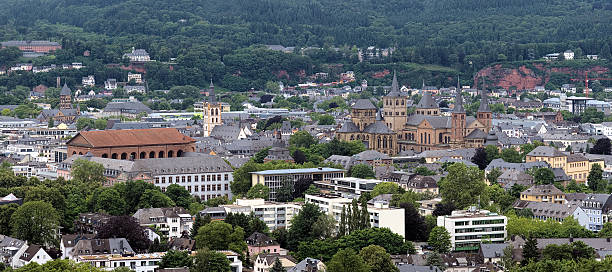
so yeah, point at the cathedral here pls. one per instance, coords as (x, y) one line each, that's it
(392, 130)
(65, 113)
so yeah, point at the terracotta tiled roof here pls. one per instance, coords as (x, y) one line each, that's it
(133, 137)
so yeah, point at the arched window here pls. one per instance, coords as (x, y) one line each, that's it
(73, 152)
(170, 154)
(143, 155)
(440, 138)
(104, 155)
(123, 156)
(114, 156)
(133, 156)
(179, 153)
(161, 154)
(151, 154)
(80, 153)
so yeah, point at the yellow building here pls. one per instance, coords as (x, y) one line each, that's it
(576, 166)
(543, 193)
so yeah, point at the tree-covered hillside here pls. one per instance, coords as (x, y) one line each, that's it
(464, 35)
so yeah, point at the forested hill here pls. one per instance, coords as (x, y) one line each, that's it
(304, 22)
(209, 38)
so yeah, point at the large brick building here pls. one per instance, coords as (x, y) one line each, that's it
(33, 46)
(131, 144)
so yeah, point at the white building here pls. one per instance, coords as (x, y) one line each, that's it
(110, 84)
(274, 214)
(136, 262)
(233, 257)
(136, 77)
(381, 215)
(348, 186)
(138, 55)
(469, 228)
(173, 222)
(88, 81)
(568, 55)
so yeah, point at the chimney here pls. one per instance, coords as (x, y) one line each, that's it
(58, 82)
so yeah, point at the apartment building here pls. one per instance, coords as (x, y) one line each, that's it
(136, 262)
(348, 186)
(543, 193)
(275, 179)
(173, 222)
(275, 214)
(381, 215)
(469, 228)
(576, 166)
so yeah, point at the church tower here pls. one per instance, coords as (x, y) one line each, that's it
(458, 120)
(211, 115)
(65, 98)
(395, 107)
(484, 114)
(427, 105)
(363, 113)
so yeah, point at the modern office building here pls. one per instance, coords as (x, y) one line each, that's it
(469, 228)
(275, 179)
(348, 186)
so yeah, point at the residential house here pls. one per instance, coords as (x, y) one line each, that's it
(264, 262)
(137, 55)
(512, 176)
(110, 84)
(68, 242)
(146, 262)
(492, 253)
(88, 223)
(554, 211)
(88, 81)
(259, 242)
(135, 89)
(275, 214)
(576, 166)
(173, 222)
(596, 206)
(543, 193)
(421, 184)
(95, 247)
(136, 77)
(308, 265)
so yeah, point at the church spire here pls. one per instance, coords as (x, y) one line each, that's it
(395, 91)
(211, 92)
(458, 103)
(484, 102)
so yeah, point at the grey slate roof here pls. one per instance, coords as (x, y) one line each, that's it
(553, 210)
(225, 132)
(183, 165)
(492, 250)
(306, 265)
(394, 87)
(378, 127)
(596, 243)
(484, 102)
(476, 134)
(458, 103)
(370, 155)
(503, 165)
(546, 151)
(144, 216)
(363, 104)
(418, 268)
(65, 90)
(134, 107)
(427, 102)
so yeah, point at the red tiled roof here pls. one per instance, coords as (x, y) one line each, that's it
(132, 137)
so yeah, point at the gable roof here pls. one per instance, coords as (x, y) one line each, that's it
(348, 126)
(363, 104)
(131, 137)
(476, 134)
(427, 102)
(65, 90)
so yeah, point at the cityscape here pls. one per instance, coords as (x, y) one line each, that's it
(305, 136)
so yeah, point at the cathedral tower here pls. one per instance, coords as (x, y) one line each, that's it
(395, 107)
(458, 120)
(65, 98)
(484, 114)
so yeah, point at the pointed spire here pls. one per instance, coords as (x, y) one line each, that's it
(211, 92)
(394, 86)
(484, 102)
(458, 103)
(65, 90)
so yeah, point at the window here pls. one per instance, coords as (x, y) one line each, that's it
(226, 176)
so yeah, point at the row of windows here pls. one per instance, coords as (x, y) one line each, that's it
(488, 222)
(501, 228)
(389, 102)
(196, 178)
(472, 237)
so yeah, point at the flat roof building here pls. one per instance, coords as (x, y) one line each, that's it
(275, 179)
(469, 228)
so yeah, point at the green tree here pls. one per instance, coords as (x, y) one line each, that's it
(6, 211)
(176, 258)
(436, 260)
(210, 261)
(324, 227)
(259, 191)
(107, 200)
(493, 175)
(219, 235)
(197, 224)
(439, 239)
(377, 258)
(386, 188)
(155, 199)
(481, 158)
(543, 176)
(530, 250)
(347, 260)
(179, 195)
(285, 192)
(595, 178)
(424, 171)
(511, 155)
(51, 123)
(301, 225)
(277, 266)
(462, 186)
(302, 139)
(362, 171)
(326, 119)
(36, 222)
(88, 172)
(606, 230)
